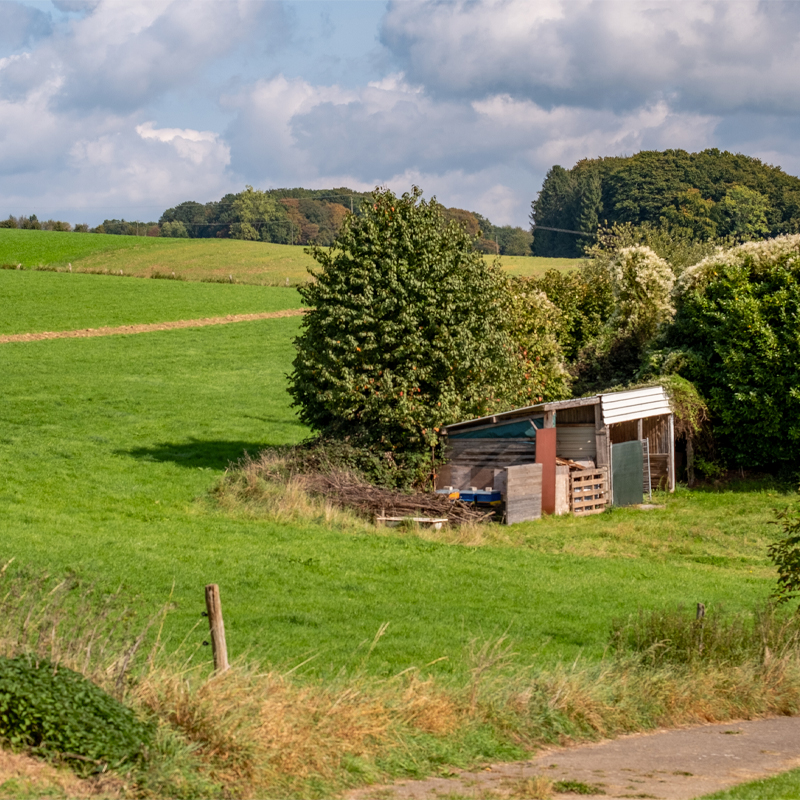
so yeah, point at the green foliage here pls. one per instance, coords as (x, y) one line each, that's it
(174, 230)
(692, 213)
(534, 323)
(742, 214)
(121, 227)
(56, 711)
(406, 328)
(641, 286)
(677, 245)
(702, 194)
(736, 336)
(252, 208)
(590, 200)
(641, 283)
(555, 208)
(784, 552)
(585, 302)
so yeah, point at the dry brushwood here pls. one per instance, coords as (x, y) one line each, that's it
(344, 489)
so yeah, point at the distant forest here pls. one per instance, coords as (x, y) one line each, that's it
(707, 195)
(309, 216)
(283, 216)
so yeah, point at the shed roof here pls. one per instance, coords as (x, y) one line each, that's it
(615, 406)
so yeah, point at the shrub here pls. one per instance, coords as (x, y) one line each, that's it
(584, 300)
(784, 553)
(534, 322)
(407, 328)
(59, 712)
(737, 330)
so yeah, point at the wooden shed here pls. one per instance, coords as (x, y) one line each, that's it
(592, 451)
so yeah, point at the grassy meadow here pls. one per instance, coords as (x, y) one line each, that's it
(110, 446)
(110, 449)
(190, 259)
(50, 301)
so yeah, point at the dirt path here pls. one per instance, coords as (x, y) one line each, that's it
(668, 765)
(148, 328)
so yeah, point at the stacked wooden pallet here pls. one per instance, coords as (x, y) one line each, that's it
(588, 491)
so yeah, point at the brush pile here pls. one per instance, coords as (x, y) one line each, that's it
(348, 491)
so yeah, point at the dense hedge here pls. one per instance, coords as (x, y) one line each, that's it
(736, 335)
(56, 711)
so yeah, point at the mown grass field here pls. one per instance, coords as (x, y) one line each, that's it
(49, 301)
(109, 448)
(192, 259)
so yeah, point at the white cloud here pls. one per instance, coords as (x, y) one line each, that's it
(393, 132)
(709, 55)
(199, 147)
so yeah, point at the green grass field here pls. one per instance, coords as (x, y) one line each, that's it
(109, 447)
(49, 301)
(785, 786)
(193, 259)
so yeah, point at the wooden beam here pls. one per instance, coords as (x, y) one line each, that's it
(602, 445)
(672, 452)
(217, 626)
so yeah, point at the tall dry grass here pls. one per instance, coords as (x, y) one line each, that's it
(255, 733)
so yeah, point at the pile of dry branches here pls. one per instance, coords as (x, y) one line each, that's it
(346, 490)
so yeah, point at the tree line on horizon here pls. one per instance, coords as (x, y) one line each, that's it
(281, 216)
(701, 196)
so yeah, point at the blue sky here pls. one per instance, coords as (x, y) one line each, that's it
(119, 109)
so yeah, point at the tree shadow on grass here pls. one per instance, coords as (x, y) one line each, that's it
(197, 453)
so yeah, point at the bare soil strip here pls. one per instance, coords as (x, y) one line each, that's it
(666, 765)
(149, 327)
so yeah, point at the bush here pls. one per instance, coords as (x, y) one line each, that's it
(584, 300)
(784, 553)
(737, 332)
(407, 329)
(534, 324)
(59, 712)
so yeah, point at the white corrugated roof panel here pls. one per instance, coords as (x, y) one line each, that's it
(635, 404)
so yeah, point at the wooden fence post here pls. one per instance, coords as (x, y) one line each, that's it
(217, 626)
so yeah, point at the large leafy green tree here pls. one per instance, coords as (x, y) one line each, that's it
(749, 199)
(407, 328)
(736, 335)
(554, 208)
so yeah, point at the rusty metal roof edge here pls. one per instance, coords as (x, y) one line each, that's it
(553, 405)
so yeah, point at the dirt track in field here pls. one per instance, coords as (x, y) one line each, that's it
(666, 765)
(124, 330)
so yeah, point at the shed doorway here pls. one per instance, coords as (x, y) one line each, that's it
(627, 464)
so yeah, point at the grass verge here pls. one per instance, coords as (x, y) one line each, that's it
(254, 732)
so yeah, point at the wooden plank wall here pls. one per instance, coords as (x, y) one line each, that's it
(523, 493)
(490, 452)
(579, 415)
(481, 462)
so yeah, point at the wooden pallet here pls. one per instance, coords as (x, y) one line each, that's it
(588, 491)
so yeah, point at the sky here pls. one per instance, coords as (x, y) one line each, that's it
(117, 109)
